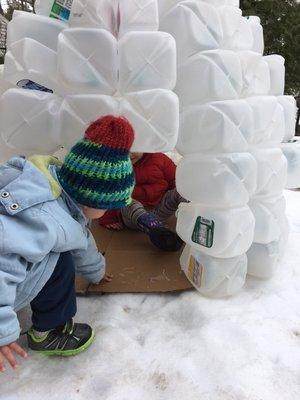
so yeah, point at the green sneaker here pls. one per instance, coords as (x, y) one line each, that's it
(67, 340)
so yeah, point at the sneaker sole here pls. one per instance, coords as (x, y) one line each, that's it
(68, 353)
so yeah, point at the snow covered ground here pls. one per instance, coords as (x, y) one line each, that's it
(183, 346)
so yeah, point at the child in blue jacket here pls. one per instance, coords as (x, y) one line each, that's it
(45, 210)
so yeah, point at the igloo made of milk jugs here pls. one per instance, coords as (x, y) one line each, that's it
(189, 74)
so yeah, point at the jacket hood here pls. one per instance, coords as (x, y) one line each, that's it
(26, 183)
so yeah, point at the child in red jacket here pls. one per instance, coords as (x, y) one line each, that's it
(155, 200)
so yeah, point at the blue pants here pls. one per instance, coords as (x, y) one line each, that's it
(56, 302)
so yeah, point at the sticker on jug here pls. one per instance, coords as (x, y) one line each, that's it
(195, 272)
(30, 85)
(203, 233)
(61, 9)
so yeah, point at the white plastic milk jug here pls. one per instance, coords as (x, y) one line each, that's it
(217, 127)
(223, 181)
(269, 218)
(38, 27)
(25, 116)
(219, 233)
(258, 34)
(271, 172)
(196, 27)
(292, 153)
(29, 59)
(263, 259)
(289, 106)
(209, 76)
(214, 277)
(101, 14)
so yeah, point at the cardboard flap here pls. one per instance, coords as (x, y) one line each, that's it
(137, 266)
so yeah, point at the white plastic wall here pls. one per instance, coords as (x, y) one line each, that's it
(109, 59)
(233, 117)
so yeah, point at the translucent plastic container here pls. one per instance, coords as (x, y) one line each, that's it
(290, 113)
(220, 3)
(165, 5)
(29, 120)
(209, 76)
(258, 34)
(263, 259)
(269, 121)
(256, 74)
(277, 74)
(222, 181)
(292, 153)
(214, 277)
(218, 233)
(218, 127)
(29, 59)
(87, 61)
(4, 85)
(6, 152)
(60, 11)
(269, 218)
(78, 111)
(196, 27)
(138, 15)
(285, 231)
(237, 32)
(147, 61)
(43, 7)
(153, 114)
(100, 14)
(42, 29)
(271, 172)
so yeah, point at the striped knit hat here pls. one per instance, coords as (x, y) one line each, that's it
(97, 172)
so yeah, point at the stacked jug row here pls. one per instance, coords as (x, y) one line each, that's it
(115, 16)
(251, 73)
(139, 71)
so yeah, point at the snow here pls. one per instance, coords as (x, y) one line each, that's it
(181, 346)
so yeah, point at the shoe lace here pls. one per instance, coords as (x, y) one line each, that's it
(68, 327)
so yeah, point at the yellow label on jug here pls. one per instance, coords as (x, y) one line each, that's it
(195, 272)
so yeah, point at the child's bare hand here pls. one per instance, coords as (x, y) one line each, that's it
(7, 353)
(107, 278)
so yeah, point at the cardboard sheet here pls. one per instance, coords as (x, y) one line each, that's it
(137, 266)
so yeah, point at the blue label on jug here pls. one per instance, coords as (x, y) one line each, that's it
(30, 85)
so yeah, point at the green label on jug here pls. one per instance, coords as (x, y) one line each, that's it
(61, 9)
(203, 233)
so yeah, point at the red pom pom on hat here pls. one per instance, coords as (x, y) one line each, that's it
(110, 131)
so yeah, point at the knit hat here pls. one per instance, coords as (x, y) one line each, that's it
(97, 172)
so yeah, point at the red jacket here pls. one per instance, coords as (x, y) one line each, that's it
(154, 175)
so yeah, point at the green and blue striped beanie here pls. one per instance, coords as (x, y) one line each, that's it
(97, 172)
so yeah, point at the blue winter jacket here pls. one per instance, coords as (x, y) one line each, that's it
(38, 221)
